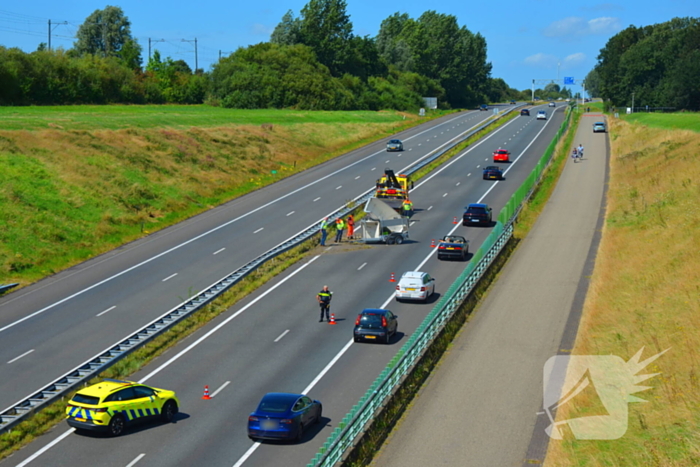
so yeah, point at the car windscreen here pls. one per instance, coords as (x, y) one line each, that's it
(372, 321)
(476, 211)
(273, 405)
(83, 399)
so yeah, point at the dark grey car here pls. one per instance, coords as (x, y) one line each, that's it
(375, 324)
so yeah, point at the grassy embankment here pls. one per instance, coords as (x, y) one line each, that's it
(79, 181)
(644, 292)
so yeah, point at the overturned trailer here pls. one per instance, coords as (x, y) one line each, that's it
(382, 224)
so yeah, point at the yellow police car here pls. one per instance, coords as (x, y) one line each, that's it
(112, 405)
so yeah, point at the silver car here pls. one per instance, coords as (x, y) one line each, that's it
(415, 285)
(599, 127)
(541, 115)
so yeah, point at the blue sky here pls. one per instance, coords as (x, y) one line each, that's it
(527, 39)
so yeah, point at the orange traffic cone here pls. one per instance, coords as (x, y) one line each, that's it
(206, 393)
(432, 244)
(332, 320)
(454, 221)
(392, 278)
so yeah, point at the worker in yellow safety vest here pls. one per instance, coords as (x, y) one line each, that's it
(407, 208)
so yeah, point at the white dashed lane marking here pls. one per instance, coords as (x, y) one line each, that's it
(218, 251)
(362, 266)
(170, 277)
(23, 355)
(106, 311)
(213, 394)
(259, 230)
(289, 214)
(317, 199)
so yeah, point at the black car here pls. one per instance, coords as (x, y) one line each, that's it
(512, 102)
(483, 107)
(477, 214)
(375, 324)
(394, 145)
(453, 247)
(492, 172)
(525, 112)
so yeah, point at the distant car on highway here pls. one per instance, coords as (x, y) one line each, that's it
(112, 405)
(453, 247)
(552, 104)
(283, 416)
(375, 324)
(525, 112)
(512, 102)
(599, 127)
(492, 172)
(541, 115)
(477, 214)
(483, 107)
(415, 285)
(501, 155)
(394, 145)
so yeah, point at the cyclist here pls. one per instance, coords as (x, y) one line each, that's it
(324, 300)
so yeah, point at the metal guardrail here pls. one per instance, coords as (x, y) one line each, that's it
(355, 422)
(5, 287)
(97, 364)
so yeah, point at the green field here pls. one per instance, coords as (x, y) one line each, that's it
(99, 117)
(675, 121)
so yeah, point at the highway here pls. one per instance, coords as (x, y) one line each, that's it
(272, 341)
(57, 324)
(492, 376)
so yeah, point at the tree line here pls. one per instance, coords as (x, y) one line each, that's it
(659, 65)
(313, 61)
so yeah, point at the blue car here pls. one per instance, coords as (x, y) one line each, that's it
(283, 416)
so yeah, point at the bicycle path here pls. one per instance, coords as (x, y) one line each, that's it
(479, 407)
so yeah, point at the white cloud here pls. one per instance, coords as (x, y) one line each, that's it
(541, 60)
(575, 26)
(574, 60)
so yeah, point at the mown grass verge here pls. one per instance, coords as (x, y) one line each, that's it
(370, 443)
(26, 431)
(70, 195)
(644, 293)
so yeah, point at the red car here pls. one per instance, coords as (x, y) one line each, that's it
(501, 155)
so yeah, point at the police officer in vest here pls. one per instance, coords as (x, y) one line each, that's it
(324, 301)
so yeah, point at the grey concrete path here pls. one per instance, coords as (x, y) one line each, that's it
(479, 408)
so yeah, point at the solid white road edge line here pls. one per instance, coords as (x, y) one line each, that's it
(46, 448)
(213, 394)
(23, 355)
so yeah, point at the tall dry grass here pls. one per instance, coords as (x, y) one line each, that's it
(67, 195)
(645, 292)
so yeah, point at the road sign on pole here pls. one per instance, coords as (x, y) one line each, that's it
(568, 80)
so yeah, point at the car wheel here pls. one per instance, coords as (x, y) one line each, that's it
(357, 339)
(387, 339)
(390, 240)
(300, 433)
(319, 416)
(169, 411)
(398, 240)
(116, 425)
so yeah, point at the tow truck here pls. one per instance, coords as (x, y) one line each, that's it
(393, 189)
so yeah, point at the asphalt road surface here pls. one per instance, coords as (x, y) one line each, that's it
(272, 341)
(51, 327)
(480, 406)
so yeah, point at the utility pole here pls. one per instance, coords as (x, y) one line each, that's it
(220, 52)
(533, 91)
(632, 102)
(149, 45)
(51, 29)
(196, 63)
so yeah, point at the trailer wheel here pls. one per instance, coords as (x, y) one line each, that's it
(389, 240)
(399, 240)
